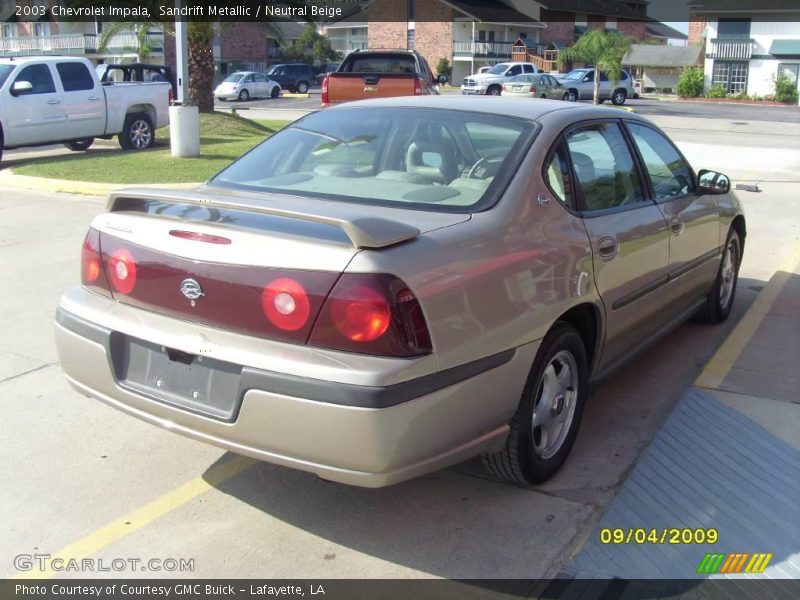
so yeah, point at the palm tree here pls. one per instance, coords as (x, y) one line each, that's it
(604, 51)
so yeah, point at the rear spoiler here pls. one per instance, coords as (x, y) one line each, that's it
(363, 232)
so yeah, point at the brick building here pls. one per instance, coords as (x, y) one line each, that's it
(475, 33)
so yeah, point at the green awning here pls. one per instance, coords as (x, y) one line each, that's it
(785, 48)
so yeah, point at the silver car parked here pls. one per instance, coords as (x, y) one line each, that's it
(389, 287)
(579, 85)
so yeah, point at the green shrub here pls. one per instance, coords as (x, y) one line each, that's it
(443, 67)
(785, 89)
(742, 95)
(718, 91)
(690, 84)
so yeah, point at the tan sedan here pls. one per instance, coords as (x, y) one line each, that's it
(534, 86)
(389, 287)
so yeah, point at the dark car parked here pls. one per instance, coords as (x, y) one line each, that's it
(296, 77)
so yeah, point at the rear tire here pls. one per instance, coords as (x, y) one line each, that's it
(302, 87)
(79, 145)
(276, 91)
(137, 132)
(546, 423)
(618, 97)
(720, 299)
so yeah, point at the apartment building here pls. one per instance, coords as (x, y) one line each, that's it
(745, 50)
(475, 33)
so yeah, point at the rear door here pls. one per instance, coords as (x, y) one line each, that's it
(627, 231)
(34, 116)
(83, 99)
(692, 218)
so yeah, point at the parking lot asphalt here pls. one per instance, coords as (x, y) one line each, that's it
(87, 481)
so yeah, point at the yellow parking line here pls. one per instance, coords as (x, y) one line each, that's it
(133, 521)
(725, 357)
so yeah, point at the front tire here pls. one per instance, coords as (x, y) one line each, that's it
(137, 132)
(571, 96)
(546, 423)
(720, 299)
(618, 97)
(493, 90)
(79, 145)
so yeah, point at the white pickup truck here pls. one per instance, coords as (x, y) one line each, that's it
(45, 100)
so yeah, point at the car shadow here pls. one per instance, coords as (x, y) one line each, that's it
(460, 523)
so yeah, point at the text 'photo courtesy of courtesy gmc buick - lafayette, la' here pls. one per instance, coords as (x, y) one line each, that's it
(388, 287)
(46, 100)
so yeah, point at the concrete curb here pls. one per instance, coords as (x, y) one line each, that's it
(295, 95)
(85, 188)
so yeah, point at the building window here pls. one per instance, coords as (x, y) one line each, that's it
(790, 69)
(41, 29)
(733, 28)
(731, 75)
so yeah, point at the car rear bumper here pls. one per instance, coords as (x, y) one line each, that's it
(425, 428)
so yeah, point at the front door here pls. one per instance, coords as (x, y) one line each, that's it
(37, 115)
(628, 234)
(693, 219)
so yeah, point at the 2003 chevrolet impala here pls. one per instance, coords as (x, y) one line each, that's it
(388, 287)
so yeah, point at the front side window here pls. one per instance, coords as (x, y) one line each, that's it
(669, 173)
(74, 77)
(515, 70)
(428, 159)
(604, 168)
(39, 77)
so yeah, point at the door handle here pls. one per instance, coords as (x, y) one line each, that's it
(676, 226)
(54, 101)
(94, 98)
(607, 247)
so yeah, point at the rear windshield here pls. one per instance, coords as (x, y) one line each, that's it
(233, 78)
(380, 63)
(450, 161)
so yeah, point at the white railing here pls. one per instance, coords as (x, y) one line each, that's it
(74, 43)
(731, 49)
(494, 49)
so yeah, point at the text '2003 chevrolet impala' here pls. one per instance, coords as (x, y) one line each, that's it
(392, 286)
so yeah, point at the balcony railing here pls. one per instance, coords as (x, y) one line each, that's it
(76, 44)
(483, 49)
(730, 49)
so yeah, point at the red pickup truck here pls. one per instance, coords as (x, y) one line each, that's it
(379, 74)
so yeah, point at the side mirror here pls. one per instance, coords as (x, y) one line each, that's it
(711, 182)
(442, 79)
(21, 87)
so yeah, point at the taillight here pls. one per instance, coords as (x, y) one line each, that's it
(417, 87)
(372, 314)
(285, 303)
(171, 96)
(324, 94)
(122, 271)
(92, 275)
(533, 89)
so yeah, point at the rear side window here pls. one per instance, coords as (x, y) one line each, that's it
(556, 175)
(669, 173)
(604, 168)
(75, 77)
(39, 77)
(384, 63)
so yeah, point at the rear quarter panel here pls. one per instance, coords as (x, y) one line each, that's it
(151, 98)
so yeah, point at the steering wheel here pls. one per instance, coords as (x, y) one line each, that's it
(483, 160)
